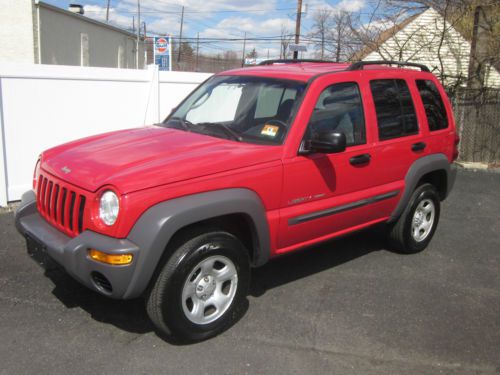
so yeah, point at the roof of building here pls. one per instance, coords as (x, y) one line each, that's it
(383, 37)
(86, 19)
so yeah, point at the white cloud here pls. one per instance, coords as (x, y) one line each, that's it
(166, 25)
(115, 18)
(236, 26)
(192, 6)
(351, 5)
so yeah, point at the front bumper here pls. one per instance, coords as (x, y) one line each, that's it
(72, 253)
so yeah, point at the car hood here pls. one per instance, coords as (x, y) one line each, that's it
(136, 159)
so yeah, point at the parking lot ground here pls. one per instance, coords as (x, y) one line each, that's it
(346, 307)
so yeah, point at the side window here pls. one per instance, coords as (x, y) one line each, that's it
(433, 104)
(394, 106)
(339, 109)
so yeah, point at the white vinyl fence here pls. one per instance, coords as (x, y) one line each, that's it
(42, 106)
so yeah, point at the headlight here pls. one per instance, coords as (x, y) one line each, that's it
(109, 207)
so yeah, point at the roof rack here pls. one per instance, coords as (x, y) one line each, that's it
(292, 61)
(360, 64)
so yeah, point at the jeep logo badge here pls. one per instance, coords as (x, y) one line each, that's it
(65, 169)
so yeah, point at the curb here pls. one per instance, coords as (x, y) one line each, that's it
(477, 167)
(11, 207)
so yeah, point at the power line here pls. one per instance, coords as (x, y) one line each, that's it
(154, 11)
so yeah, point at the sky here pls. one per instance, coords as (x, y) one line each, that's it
(219, 19)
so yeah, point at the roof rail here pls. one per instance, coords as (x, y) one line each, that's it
(360, 64)
(292, 61)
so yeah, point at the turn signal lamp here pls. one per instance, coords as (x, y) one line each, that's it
(113, 259)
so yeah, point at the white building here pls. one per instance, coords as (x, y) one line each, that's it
(32, 31)
(418, 39)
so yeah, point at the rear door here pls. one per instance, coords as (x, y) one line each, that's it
(399, 137)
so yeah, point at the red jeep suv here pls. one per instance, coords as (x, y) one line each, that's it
(255, 163)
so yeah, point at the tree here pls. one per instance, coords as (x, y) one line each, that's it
(286, 39)
(230, 55)
(341, 35)
(331, 34)
(252, 54)
(320, 30)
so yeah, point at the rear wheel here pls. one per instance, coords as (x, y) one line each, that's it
(414, 229)
(202, 287)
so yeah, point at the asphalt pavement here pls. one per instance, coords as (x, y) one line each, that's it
(346, 307)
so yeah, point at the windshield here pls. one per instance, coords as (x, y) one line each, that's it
(248, 109)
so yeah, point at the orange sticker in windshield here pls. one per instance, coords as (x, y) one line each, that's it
(270, 130)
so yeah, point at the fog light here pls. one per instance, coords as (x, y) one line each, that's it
(114, 259)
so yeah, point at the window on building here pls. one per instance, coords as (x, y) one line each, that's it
(339, 109)
(84, 50)
(394, 106)
(433, 104)
(121, 56)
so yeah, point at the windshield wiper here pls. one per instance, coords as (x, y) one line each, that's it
(186, 125)
(226, 129)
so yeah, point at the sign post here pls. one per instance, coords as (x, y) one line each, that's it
(163, 52)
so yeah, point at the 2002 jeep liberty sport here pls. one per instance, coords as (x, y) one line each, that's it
(255, 163)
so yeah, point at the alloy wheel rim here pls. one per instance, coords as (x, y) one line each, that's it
(423, 220)
(209, 289)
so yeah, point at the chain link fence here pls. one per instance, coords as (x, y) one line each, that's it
(477, 116)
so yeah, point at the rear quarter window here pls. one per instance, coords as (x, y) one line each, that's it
(433, 104)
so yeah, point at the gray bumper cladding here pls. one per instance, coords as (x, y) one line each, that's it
(147, 240)
(72, 253)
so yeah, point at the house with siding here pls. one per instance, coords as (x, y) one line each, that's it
(35, 32)
(429, 39)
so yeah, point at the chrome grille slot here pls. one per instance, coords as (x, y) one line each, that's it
(61, 205)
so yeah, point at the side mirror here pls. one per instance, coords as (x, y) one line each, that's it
(327, 143)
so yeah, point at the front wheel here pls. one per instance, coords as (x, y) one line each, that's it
(202, 287)
(414, 229)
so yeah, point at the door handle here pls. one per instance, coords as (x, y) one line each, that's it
(360, 159)
(419, 146)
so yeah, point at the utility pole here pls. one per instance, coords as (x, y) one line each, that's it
(197, 50)
(244, 45)
(180, 37)
(107, 12)
(138, 33)
(297, 28)
(145, 44)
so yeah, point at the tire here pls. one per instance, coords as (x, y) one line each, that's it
(414, 229)
(201, 289)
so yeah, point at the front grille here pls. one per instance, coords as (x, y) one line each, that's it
(61, 205)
